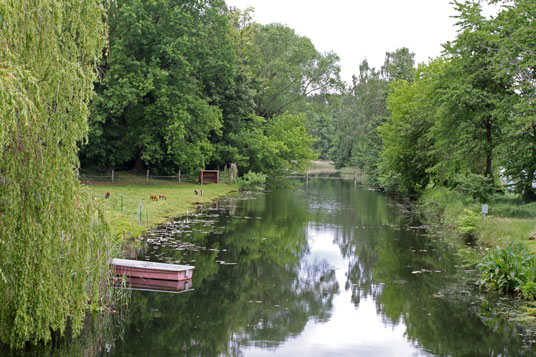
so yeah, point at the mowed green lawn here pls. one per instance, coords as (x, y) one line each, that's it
(122, 208)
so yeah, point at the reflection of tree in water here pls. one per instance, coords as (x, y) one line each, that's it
(267, 297)
(261, 303)
(271, 293)
(309, 294)
(383, 255)
(357, 217)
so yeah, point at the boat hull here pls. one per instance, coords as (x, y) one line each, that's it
(149, 270)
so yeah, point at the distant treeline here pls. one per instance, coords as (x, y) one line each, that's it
(466, 119)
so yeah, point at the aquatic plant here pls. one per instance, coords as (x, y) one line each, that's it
(510, 270)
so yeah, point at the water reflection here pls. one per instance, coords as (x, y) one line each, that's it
(407, 274)
(327, 268)
(253, 287)
(155, 285)
(324, 269)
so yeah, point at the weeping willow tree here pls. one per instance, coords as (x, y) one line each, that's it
(52, 238)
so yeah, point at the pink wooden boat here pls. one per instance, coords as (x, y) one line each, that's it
(152, 270)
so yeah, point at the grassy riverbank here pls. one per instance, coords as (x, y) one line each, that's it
(122, 208)
(509, 219)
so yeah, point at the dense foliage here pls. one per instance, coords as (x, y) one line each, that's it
(191, 84)
(168, 67)
(363, 109)
(52, 238)
(464, 120)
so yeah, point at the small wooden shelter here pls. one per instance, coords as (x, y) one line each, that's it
(209, 176)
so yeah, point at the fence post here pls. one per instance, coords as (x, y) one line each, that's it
(179, 176)
(147, 176)
(112, 175)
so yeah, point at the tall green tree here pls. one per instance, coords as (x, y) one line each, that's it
(276, 147)
(320, 114)
(515, 32)
(238, 107)
(362, 102)
(287, 68)
(52, 239)
(472, 98)
(364, 109)
(166, 78)
(406, 141)
(399, 64)
(277, 71)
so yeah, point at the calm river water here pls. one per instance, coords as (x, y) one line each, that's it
(324, 269)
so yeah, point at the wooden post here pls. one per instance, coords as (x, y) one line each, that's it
(147, 176)
(179, 176)
(112, 175)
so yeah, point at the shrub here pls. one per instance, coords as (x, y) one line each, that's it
(509, 270)
(478, 187)
(435, 200)
(252, 181)
(468, 221)
(528, 290)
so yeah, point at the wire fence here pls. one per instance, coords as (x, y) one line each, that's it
(148, 179)
(131, 206)
(128, 205)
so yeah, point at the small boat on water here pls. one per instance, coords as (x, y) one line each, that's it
(152, 270)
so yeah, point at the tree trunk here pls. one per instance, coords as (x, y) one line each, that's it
(489, 149)
(138, 165)
(529, 194)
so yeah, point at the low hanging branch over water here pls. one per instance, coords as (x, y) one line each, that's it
(52, 239)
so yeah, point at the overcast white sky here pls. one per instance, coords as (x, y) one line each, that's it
(359, 29)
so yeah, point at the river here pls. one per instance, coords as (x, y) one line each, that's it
(323, 268)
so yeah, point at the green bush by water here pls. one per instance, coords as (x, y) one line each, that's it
(468, 222)
(510, 270)
(252, 181)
